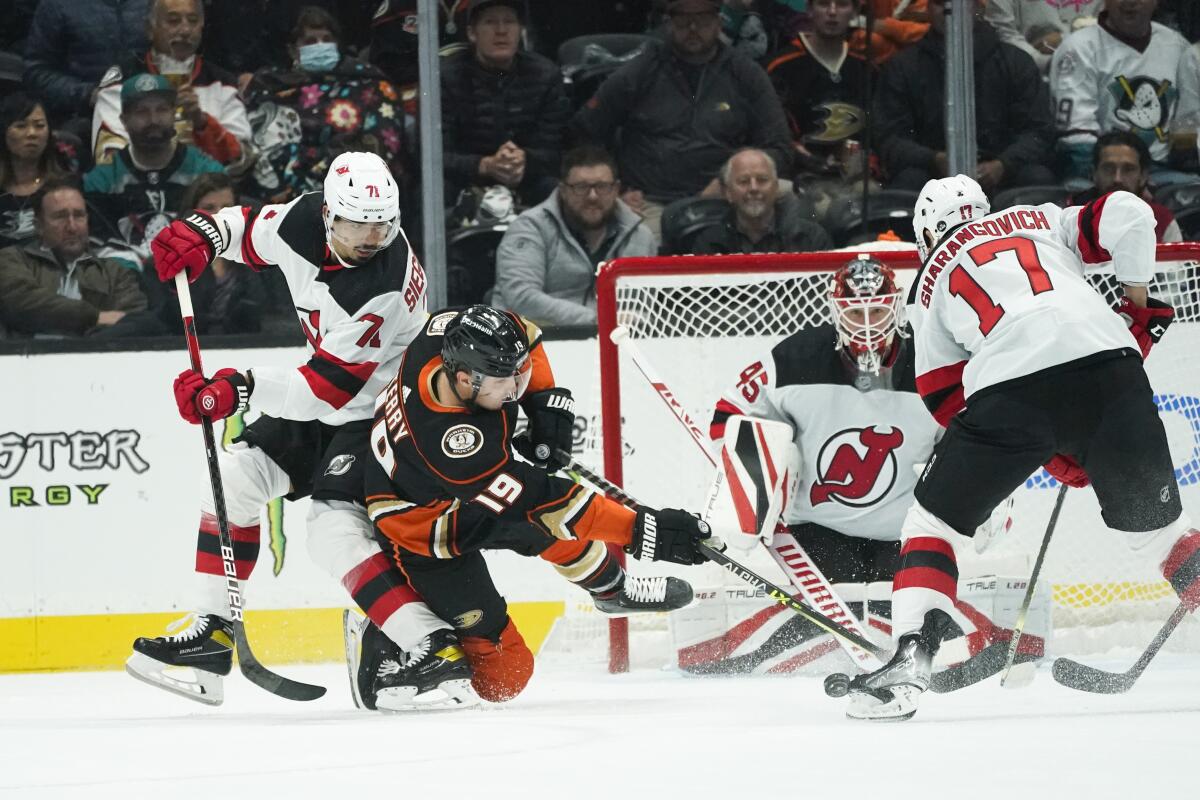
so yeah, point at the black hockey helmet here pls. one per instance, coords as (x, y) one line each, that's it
(488, 345)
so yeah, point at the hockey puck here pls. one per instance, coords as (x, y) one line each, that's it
(837, 684)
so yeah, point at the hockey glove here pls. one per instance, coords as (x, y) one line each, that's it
(1066, 470)
(186, 244)
(668, 535)
(1146, 324)
(551, 428)
(225, 395)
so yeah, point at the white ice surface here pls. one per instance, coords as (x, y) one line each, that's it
(585, 734)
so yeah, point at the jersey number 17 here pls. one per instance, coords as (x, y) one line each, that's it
(964, 286)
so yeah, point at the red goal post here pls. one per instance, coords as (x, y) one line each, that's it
(697, 317)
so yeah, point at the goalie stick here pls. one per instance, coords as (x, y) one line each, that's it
(1024, 676)
(813, 587)
(251, 667)
(1074, 675)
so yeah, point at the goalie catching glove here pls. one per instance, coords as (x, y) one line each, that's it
(188, 244)
(1146, 324)
(551, 428)
(225, 395)
(668, 535)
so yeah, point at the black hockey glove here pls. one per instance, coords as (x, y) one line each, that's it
(668, 535)
(551, 428)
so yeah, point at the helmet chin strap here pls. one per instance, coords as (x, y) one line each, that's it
(469, 402)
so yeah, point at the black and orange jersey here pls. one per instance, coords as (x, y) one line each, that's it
(442, 472)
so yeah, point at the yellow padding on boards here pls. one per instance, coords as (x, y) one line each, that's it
(104, 641)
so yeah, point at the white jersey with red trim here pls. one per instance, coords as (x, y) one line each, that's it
(1005, 296)
(861, 438)
(358, 321)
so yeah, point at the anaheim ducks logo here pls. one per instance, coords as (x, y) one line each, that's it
(857, 467)
(1144, 104)
(838, 121)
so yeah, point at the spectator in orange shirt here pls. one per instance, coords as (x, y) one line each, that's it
(897, 24)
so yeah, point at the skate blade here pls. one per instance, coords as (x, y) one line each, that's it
(449, 695)
(352, 629)
(867, 708)
(204, 687)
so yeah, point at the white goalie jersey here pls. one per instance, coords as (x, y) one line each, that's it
(1005, 296)
(860, 448)
(358, 321)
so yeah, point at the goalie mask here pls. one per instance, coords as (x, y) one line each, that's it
(944, 204)
(867, 310)
(362, 207)
(486, 344)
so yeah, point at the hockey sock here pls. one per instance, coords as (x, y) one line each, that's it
(501, 669)
(927, 577)
(588, 565)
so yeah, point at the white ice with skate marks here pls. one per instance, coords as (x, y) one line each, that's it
(586, 734)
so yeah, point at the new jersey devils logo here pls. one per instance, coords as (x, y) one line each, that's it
(857, 466)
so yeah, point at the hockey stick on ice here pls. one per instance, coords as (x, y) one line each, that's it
(1074, 675)
(1024, 676)
(254, 671)
(711, 551)
(801, 572)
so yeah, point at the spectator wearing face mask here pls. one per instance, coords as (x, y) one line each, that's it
(298, 112)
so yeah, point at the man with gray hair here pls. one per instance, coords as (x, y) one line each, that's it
(760, 218)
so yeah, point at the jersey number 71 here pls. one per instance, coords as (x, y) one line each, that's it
(964, 286)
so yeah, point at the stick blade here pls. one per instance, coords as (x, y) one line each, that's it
(1019, 675)
(1083, 678)
(262, 677)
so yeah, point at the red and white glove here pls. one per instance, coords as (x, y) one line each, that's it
(225, 395)
(1067, 470)
(1180, 569)
(1146, 324)
(186, 244)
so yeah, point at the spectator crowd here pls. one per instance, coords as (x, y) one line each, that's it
(573, 133)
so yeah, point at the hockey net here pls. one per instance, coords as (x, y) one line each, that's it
(700, 320)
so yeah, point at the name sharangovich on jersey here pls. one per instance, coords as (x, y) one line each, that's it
(55, 452)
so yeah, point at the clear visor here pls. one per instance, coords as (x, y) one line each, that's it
(362, 238)
(867, 323)
(492, 391)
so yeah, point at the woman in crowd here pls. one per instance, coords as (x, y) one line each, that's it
(29, 156)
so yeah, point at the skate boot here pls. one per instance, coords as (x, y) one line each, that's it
(890, 693)
(435, 676)
(635, 595)
(366, 649)
(189, 663)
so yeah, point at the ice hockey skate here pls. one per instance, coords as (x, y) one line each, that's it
(636, 595)
(889, 694)
(189, 663)
(434, 677)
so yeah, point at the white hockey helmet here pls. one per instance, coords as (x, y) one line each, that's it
(943, 204)
(362, 206)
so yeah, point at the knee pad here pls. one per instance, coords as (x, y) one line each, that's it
(251, 479)
(501, 669)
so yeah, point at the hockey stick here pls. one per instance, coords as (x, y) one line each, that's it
(1074, 675)
(710, 550)
(812, 585)
(254, 671)
(1024, 677)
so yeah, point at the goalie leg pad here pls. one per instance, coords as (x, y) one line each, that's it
(501, 668)
(756, 475)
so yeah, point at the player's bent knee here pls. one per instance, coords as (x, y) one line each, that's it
(339, 536)
(251, 480)
(501, 668)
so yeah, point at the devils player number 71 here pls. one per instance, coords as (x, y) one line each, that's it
(964, 286)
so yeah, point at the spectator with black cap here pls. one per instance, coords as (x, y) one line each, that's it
(504, 110)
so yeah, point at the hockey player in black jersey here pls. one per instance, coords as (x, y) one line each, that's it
(444, 484)
(359, 293)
